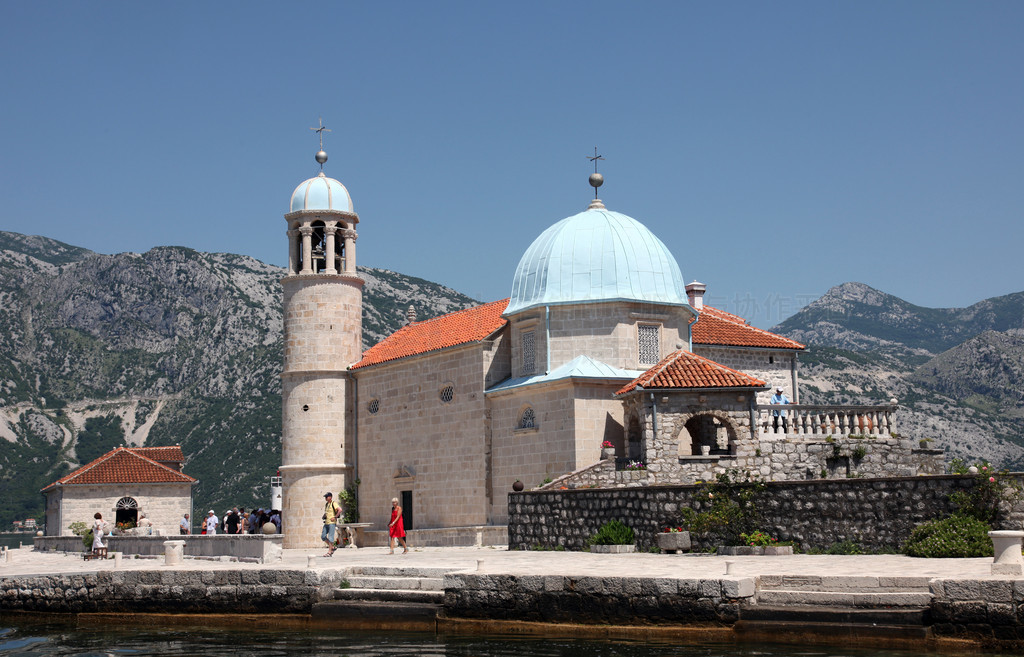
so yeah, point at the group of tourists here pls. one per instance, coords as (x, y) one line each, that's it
(332, 514)
(235, 521)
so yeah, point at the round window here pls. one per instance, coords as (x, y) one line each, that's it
(447, 394)
(373, 406)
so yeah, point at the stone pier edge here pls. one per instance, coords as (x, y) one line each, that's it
(964, 613)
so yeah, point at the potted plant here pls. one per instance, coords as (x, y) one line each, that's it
(613, 537)
(673, 539)
(757, 543)
(607, 450)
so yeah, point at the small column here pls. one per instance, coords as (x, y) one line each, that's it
(350, 250)
(330, 267)
(293, 252)
(1006, 544)
(307, 248)
(174, 552)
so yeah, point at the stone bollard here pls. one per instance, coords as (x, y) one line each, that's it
(728, 567)
(479, 565)
(174, 552)
(1006, 545)
(117, 559)
(310, 561)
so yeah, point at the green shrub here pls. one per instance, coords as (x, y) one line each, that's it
(613, 532)
(957, 536)
(845, 547)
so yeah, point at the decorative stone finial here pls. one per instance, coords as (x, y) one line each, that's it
(410, 315)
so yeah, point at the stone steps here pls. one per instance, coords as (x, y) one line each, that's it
(816, 614)
(843, 583)
(379, 584)
(845, 598)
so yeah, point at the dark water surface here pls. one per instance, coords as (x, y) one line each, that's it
(66, 640)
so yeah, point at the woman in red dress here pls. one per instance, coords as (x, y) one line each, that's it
(396, 528)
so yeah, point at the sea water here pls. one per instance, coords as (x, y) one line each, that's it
(68, 640)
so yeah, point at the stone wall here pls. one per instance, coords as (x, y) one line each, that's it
(876, 513)
(163, 504)
(989, 612)
(774, 367)
(171, 591)
(558, 599)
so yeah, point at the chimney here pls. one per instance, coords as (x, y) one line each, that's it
(695, 293)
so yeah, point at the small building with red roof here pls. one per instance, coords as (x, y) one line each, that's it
(123, 485)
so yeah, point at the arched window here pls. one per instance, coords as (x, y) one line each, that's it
(126, 510)
(528, 419)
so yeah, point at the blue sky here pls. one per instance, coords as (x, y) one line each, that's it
(777, 148)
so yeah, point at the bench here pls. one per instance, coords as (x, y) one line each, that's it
(353, 532)
(98, 553)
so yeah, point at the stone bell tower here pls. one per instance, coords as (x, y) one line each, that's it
(323, 333)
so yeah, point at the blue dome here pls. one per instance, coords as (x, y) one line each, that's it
(596, 255)
(321, 193)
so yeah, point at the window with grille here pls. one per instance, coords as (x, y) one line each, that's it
(647, 336)
(528, 420)
(528, 352)
(447, 393)
(373, 406)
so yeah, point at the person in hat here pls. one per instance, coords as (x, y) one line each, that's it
(211, 523)
(331, 512)
(779, 398)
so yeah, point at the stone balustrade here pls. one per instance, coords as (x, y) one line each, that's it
(827, 420)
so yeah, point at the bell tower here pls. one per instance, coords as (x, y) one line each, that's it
(323, 333)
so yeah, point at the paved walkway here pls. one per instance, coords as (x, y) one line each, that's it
(498, 560)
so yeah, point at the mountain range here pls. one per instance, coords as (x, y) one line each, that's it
(176, 346)
(957, 373)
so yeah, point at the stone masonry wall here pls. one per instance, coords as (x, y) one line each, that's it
(873, 512)
(179, 591)
(557, 599)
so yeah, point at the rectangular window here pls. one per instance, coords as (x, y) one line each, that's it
(529, 358)
(647, 337)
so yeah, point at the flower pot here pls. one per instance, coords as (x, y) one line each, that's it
(517, 486)
(607, 453)
(673, 541)
(705, 450)
(612, 549)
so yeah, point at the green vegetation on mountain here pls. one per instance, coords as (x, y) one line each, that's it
(173, 346)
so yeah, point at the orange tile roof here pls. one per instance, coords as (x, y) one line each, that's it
(717, 327)
(124, 465)
(685, 369)
(461, 327)
(172, 453)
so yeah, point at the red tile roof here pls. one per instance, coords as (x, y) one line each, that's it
(461, 327)
(126, 465)
(162, 454)
(685, 369)
(717, 327)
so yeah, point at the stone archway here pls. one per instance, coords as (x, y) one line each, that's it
(711, 429)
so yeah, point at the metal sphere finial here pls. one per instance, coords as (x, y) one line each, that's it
(321, 157)
(596, 180)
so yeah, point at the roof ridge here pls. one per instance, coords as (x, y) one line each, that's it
(156, 463)
(454, 312)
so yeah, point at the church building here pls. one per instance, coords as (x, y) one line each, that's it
(554, 385)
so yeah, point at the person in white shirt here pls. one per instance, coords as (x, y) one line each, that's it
(211, 523)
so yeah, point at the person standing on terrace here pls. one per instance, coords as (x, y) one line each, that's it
(779, 398)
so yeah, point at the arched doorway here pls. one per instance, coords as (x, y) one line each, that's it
(126, 510)
(708, 430)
